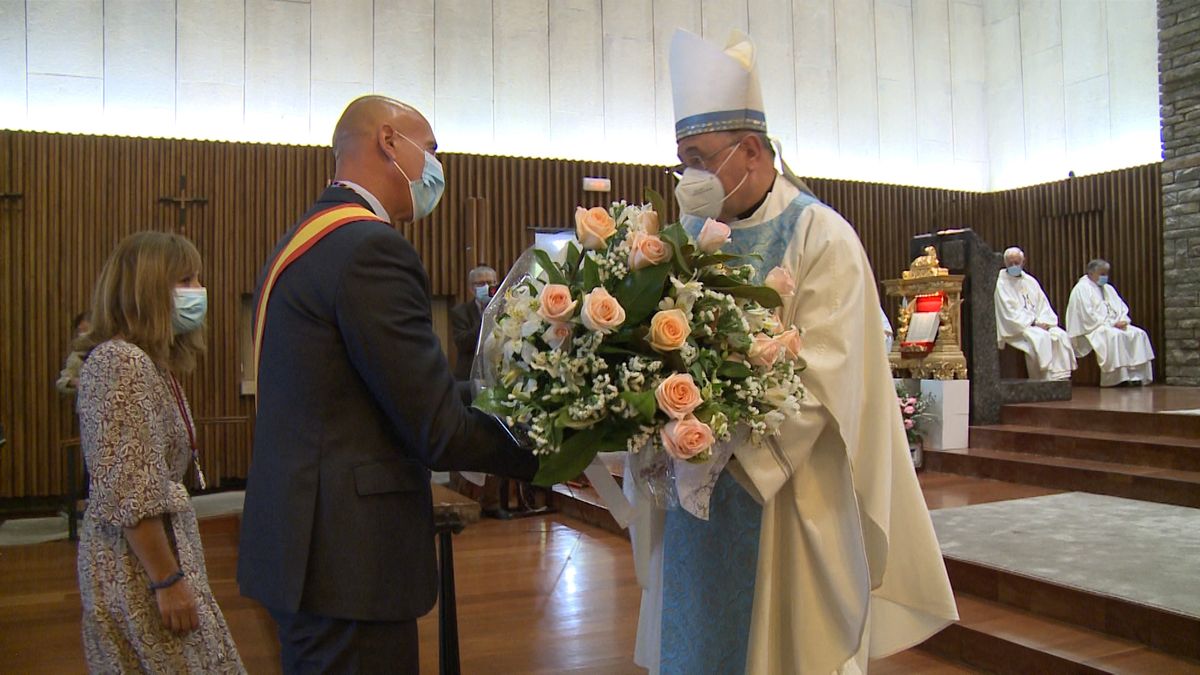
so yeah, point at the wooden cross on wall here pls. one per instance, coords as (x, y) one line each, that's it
(183, 201)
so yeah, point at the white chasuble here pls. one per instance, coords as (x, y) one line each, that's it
(1124, 354)
(848, 565)
(1021, 305)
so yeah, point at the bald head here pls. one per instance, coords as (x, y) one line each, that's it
(366, 116)
(379, 143)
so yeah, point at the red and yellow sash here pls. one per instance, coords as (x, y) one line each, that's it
(307, 234)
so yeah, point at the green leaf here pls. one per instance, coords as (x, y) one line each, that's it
(677, 237)
(572, 260)
(656, 200)
(577, 452)
(767, 297)
(674, 362)
(491, 400)
(716, 259)
(644, 402)
(591, 274)
(640, 292)
(733, 369)
(553, 274)
(719, 281)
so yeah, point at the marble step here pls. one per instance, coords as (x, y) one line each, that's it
(1143, 449)
(997, 638)
(1166, 486)
(1118, 618)
(1124, 422)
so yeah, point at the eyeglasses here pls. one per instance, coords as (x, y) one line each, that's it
(701, 161)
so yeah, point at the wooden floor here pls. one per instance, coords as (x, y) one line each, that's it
(540, 595)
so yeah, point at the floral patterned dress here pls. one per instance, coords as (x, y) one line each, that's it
(137, 450)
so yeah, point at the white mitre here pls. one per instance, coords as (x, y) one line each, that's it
(715, 89)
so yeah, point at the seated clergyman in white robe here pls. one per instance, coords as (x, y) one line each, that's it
(1098, 320)
(1026, 321)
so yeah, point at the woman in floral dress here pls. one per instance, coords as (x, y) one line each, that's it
(147, 605)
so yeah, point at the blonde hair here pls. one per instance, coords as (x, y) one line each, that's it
(135, 299)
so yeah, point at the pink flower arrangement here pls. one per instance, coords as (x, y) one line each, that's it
(912, 412)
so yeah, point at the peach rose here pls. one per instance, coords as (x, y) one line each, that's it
(649, 221)
(678, 396)
(669, 329)
(791, 343)
(687, 437)
(593, 227)
(646, 250)
(764, 351)
(713, 236)
(557, 334)
(601, 312)
(555, 303)
(781, 281)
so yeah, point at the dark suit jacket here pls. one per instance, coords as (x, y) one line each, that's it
(464, 323)
(355, 404)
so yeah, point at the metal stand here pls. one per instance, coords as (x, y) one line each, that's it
(72, 492)
(447, 608)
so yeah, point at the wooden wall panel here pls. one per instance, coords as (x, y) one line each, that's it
(1060, 225)
(82, 194)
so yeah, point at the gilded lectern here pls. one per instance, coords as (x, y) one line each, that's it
(929, 332)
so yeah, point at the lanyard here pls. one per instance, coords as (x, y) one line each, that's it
(177, 392)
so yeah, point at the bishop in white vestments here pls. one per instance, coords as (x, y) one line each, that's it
(1098, 321)
(818, 552)
(1026, 321)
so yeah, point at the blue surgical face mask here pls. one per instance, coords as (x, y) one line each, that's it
(1014, 270)
(191, 304)
(426, 192)
(1103, 280)
(483, 292)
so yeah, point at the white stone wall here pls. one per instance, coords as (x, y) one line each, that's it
(955, 93)
(1071, 86)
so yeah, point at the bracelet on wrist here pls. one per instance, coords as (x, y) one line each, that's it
(168, 582)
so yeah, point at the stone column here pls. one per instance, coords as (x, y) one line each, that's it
(1179, 98)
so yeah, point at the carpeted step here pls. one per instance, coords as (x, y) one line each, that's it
(1167, 486)
(1117, 618)
(1002, 639)
(1148, 449)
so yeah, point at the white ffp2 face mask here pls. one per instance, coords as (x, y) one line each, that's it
(700, 192)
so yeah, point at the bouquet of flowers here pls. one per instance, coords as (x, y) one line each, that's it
(912, 411)
(640, 338)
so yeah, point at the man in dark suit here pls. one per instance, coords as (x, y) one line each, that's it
(465, 318)
(356, 404)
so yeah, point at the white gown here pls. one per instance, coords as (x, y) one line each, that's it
(848, 565)
(1124, 355)
(1020, 303)
(888, 335)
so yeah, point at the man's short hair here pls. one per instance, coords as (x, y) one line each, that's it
(479, 272)
(1013, 251)
(1097, 265)
(766, 142)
